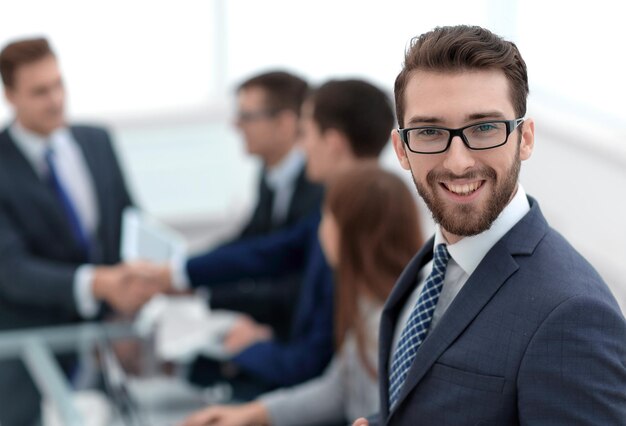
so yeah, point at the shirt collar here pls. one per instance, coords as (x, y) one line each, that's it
(470, 251)
(34, 145)
(286, 170)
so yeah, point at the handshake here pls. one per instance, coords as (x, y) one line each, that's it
(126, 287)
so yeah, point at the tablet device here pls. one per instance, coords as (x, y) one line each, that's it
(146, 238)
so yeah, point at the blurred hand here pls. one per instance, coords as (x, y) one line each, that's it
(253, 413)
(125, 287)
(156, 275)
(360, 422)
(245, 332)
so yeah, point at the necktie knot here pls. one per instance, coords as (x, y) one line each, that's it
(441, 256)
(49, 156)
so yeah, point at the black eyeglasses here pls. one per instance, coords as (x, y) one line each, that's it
(479, 136)
(248, 116)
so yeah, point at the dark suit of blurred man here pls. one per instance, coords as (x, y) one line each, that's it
(61, 198)
(268, 111)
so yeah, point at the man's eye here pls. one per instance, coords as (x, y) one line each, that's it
(486, 127)
(429, 132)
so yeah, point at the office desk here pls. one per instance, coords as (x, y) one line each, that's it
(160, 399)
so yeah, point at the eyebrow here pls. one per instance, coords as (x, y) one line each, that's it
(424, 120)
(490, 114)
(497, 115)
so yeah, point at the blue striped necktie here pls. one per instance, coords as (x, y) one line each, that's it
(68, 207)
(417, 326)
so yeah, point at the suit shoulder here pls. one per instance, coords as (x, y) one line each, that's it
(308, 184)
(308, 193)
(564, 272)
(565, 258)
(91, 131)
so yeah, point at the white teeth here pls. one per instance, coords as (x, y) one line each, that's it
(464, 189)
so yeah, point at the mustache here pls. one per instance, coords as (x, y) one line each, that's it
(435, 176)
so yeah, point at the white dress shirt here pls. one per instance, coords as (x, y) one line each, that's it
(282, 180)
(465, 256)
(74, 175)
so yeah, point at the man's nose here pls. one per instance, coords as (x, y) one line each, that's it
(459, 157)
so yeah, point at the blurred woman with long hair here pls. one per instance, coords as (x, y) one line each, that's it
(369, 232)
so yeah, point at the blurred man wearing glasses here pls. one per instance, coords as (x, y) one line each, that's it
(268, 111)
(268, 114)
(497, 320)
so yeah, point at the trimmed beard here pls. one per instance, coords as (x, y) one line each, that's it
(464, 220)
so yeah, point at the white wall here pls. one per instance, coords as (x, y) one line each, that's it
(162, 73)
(123, 58)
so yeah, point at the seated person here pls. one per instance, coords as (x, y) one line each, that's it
(269, 107)
(343, 123)
(369, 232)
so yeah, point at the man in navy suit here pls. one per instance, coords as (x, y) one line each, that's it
(269, 106)
(343, 122)
(61, 198)
(497, 320)
(268, 113)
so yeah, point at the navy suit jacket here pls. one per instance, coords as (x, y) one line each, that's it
(306, 199)
(533, 337)
(294, 249)
(270, 301)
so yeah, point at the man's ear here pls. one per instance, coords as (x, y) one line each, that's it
(400, 150)
(527, 143)
(288, 119)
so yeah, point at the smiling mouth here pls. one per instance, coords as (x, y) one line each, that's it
(464, 189)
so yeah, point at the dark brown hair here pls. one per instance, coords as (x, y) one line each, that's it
(379, 232)
(283, 91)
(460, 48)
(361, 111)
(20, 53)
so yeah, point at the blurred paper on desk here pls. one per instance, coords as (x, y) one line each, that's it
(93, 407)
(185, 327)
(145, 238)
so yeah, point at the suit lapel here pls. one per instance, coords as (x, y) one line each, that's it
(98, 178)
(266, 201)
(300, 193)
(408, 279)
(395, 302)
(493, 271)
(27, 181)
